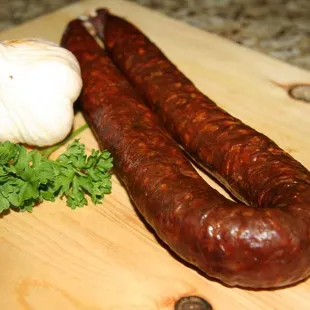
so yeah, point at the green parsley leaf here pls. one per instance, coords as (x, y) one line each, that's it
(80, 175)
(28, 178)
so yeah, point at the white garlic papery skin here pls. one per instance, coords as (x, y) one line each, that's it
(39, 83)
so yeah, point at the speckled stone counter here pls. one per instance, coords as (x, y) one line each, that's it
(279, 28)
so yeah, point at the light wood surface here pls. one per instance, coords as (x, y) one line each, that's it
(103, 257)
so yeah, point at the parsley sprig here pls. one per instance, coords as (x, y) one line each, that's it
(29, 177)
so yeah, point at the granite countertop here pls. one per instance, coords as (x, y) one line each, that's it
(279, 28)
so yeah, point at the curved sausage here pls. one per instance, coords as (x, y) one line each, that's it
(236, 244)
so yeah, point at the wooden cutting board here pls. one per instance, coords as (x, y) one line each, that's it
(103, 257)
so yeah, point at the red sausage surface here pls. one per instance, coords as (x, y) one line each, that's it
(236, 244)
(253, 168)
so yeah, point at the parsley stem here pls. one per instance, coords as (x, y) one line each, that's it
(48, 151)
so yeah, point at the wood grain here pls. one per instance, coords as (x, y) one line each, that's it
(104, 257)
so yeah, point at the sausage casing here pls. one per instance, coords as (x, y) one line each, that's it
(239, 245)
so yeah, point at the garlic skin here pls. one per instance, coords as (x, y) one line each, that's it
(39, 83)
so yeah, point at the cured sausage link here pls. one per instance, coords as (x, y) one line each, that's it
(236, 244)
(252, 167)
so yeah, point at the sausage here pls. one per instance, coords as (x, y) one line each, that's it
(252, 167)
(231, 242)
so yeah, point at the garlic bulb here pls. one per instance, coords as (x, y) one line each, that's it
(39, 82)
